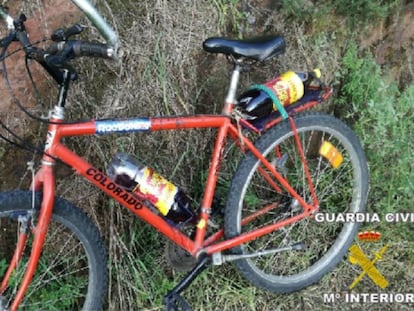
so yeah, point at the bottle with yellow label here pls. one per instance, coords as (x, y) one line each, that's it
(289, 87)
(137, 178)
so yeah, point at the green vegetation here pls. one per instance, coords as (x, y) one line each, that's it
(364, 11)
(355, 12)
(230, 16)
(62, 295)
(382, 115)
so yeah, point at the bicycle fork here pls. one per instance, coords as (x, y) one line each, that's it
(44, 178)
(25, 223)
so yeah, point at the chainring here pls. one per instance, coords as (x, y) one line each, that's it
(179, 259)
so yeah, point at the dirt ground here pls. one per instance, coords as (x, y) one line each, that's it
(392, 43)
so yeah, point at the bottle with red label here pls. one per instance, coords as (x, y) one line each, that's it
(289, 87)
(137, 178)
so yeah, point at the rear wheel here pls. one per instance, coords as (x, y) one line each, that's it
(72, 272)
(339, 173)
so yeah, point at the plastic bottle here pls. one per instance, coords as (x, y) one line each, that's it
(288, 88)
(170, 201)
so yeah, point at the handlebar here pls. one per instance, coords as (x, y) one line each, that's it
(77, 48)
(56, 56)
(91, 13)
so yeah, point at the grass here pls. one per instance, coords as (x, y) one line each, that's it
(381, 113)
(164, 71)
(355, 12)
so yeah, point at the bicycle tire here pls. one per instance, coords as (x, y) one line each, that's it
(72, 272)
(340, 190)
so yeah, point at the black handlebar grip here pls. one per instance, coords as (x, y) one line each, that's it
(82, 48)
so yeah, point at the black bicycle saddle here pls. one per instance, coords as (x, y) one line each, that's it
(259, 49)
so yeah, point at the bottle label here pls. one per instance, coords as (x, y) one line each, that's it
(288, 87)
(157, 190)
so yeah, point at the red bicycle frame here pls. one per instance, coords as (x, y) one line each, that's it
(44, 178)
(44, 181)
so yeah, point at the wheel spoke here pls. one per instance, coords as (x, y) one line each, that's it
(72, 258)
(338, 188)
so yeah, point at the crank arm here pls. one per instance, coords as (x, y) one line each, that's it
(219, 258)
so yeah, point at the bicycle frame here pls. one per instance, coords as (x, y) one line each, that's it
(44, 180)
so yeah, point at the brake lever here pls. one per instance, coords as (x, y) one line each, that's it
(64, 35)
(74, 30)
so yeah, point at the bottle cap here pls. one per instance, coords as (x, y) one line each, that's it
(317, 72)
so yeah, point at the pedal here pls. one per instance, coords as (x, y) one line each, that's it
(175, 302)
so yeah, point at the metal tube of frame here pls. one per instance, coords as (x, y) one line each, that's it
(98, 21)
(231, 93)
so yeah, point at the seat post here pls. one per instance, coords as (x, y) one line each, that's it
(231, 93)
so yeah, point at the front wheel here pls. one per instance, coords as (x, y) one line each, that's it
(339, 173)
(72, 272)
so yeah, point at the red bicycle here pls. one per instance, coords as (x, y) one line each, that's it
(52, 255)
